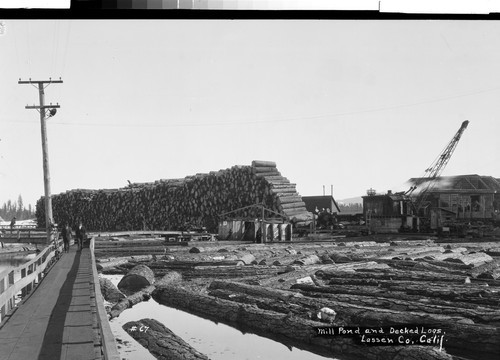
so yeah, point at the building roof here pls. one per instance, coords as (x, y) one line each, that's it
(321, 202)
(472, 182)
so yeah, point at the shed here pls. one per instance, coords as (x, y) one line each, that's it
(320, 202)
(233, 226)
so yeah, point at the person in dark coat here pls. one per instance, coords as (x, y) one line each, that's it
(81, 235)
(66, 235)
(12, 223)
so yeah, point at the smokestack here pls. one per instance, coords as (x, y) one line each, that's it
(323, 190)
(332, 190)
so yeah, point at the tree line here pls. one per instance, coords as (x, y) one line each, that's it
(351, 208)
(16, 209)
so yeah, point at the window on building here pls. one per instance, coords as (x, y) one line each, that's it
(444, 200)
(475, 202)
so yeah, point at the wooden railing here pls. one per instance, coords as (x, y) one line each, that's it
(109, 349)
(25, 235)
(28, 275)
(24, 226)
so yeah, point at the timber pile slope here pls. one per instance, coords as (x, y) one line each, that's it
(196, 200)
(278, 289)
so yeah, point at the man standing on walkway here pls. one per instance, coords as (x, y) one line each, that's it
(81, 235)
(66, 235)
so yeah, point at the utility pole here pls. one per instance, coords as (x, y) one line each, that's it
(43, 109)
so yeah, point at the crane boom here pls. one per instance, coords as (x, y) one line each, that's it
(436, 168)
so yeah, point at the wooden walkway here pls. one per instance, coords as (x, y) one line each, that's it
(59, 320)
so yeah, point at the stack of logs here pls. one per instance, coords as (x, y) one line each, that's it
(196, 201)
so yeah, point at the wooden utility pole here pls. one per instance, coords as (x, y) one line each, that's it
(42, 109)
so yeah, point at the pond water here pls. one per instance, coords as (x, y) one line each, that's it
(9, 261)
(217, 341)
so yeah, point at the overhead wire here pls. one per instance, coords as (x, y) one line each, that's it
(28, 47)
(16, 48)
(56, 46)
(253, 122)
(66, 45)
(54, 49)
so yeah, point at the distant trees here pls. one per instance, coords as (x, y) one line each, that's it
(351, 208)
(10, 209)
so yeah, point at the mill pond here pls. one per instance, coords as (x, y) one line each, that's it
(218, 341)
(279, 290)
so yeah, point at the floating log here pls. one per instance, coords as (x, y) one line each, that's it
(222, 272)
(385, 300)
(136, 279)
(493, 274)
(168, 278)
(308, 260)
(109, 291)
(325, 259)
(390, 274)
(111, 263)
(161, 342)
(447, 264)
(129, 301)
(352, 267)
(470, 293)
(246, 258)
(475, 259)
(340, 257)
(484, 268)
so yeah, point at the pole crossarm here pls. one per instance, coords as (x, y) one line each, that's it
(42, 107)
(39, 81)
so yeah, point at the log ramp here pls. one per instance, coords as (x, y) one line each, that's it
(451, 286)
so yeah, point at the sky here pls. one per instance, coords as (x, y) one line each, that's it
(356, 104)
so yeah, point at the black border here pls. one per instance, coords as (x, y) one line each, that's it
(92, 10)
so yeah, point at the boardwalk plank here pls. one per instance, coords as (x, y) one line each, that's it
(56, 321)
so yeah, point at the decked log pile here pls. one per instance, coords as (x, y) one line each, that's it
(172, 204)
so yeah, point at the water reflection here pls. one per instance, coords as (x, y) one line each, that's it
(217, 341)
(11, 261)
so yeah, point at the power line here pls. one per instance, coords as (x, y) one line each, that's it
(66, 48)
(288, 119)
(312, 117)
